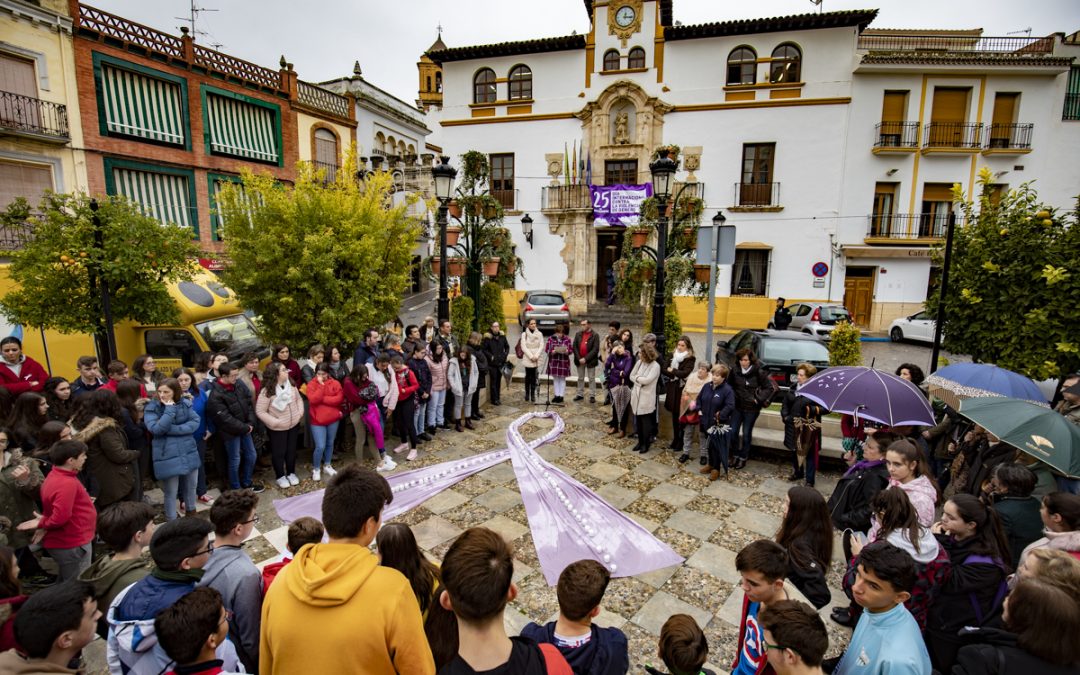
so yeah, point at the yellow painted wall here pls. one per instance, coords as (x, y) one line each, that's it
(732, 312)
(306, 147)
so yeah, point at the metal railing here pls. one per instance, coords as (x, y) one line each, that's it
(896, 135)
(14, 237)
(120, 28)
(559, 197)
(757, 194)
(952, 135)
(331, 170)
(230, 65)
(909, 225)
(1010, 136)
(26, 114)
(321, 99)
(508, 198)
(1072, 107)
(966, 44)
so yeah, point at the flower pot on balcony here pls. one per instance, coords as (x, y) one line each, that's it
(639, 237)
(453, 233)
(701, 273)
(455, 267)
(510, 266)
(455, 208)
(644, 273)
(490, 212)
(499, 237)
(436, 266)
(491, 267)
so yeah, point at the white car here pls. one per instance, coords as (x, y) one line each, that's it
(915, 327)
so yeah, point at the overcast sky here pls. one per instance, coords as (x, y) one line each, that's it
(323, 38)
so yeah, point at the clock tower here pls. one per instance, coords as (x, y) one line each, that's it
(624, 19)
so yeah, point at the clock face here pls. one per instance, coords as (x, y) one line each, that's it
(625, 16)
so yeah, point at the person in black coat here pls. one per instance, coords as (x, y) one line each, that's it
(753, 391)
(420, 368)
(475, 343)
(1041, 622)
(782, 316)
(802, 427)
(1010, 495)
(974, 592)
(849, 504)
(682, 365)
(497, 349)
(232, 411)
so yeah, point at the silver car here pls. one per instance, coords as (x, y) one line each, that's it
(547, 307)
(816, 318)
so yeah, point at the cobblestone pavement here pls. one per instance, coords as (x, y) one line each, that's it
(707, 523)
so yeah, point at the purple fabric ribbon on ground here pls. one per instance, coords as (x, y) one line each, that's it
(569, 522)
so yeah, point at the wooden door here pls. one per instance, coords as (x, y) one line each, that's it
(608, 249)
(1001, 128)
(17, 77)
(948, 115)
(859, 293)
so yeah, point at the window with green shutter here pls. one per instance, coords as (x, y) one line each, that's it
(1072, 96)
(241, 126)
(167, 195)
(140, 102)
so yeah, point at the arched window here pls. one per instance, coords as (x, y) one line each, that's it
(484, 86)
(742, 66)
(401, 148)
(326, 152)
(520, 83)
(611, 60)
(786, 64)
(637, 58)
(380, 143)
(438, 82)
(411, 149)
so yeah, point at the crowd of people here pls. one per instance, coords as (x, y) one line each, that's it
(959, 549)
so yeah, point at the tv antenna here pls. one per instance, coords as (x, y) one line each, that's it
(194, 14)
(819, 3)
(1026, 31)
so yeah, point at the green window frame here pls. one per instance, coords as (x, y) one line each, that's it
(142, 103)
(240, 126)
(213, 181)
(166, 194)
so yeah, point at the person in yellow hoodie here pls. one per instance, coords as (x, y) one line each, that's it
(334, 609)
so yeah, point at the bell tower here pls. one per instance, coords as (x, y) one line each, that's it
(431, 83)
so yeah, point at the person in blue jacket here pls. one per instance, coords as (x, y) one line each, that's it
(194, 393)
(716, 401)
(172, 421)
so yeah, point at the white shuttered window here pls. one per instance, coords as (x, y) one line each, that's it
(164, 197)
(241, 129)
(138, 105)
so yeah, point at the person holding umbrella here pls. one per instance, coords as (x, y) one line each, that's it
(802, 427)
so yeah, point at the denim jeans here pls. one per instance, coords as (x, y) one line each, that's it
(240, 451)
(324, 444)
(436, 410)
(462, 408)
(742, 422)
(171, 485)
(420, 416)
(200, 482)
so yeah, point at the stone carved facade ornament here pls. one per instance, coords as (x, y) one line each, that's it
(624, 18)
(691, 161)
(622, 135)
(554, 166)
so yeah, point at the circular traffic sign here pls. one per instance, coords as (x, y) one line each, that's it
(820, 269)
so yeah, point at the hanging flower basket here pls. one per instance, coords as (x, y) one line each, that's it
(490, 211)
(455, 267)
(689, 238)
(499, 237)
(701, 273)
(491, 267)
(639, 237)
(436, 265)
(644, 273)
(455, 208)
(453, 233)
(510, 266)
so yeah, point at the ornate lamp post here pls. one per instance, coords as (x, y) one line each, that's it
(527, 229)
(443, 175)
(663, 172)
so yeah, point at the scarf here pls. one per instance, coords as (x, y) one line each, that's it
(677, 358)
(192, 576)
(863, 464)
(283, 396)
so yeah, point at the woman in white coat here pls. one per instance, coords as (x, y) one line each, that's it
(645, 374)
(463, 372)
(532, 346)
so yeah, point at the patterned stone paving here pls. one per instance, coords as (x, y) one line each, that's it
(706, 522)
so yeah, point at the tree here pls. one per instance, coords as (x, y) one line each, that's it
(491, 306)
(1014, 283)
(845, 347)
(318, 261)
(60, 267)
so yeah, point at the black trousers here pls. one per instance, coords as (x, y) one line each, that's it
(676, 432)
(283, 450)
(448, 409)
(404, 423)
(532, 384)
(646, 428)
(618, 416)
(494, 384)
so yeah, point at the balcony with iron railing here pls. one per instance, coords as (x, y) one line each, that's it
(926, 45)
(756, 197)
(13, 236)
(896, 137)
(555, 198)
(507, 198)
(964, 138)
(1009, 139)
(919, 228)
(33, 118)
(330, 169)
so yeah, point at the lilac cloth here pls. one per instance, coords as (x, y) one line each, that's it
(569, 522)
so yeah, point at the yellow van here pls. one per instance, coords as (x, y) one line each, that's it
(210, 321)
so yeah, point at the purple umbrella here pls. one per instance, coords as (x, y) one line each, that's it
(864, 392)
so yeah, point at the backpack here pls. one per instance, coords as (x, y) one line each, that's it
(928, 582)
(1003, 587)
(554, 662)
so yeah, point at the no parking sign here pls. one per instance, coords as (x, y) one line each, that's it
(819, 269)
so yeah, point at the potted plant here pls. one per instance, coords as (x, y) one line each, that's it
(454, 208)
(501, 235)
(644, 271)
(436, 265)
(491, 267)
(510, 266)
(453, 233)
(689, 237)
(701, 273)
(455, 267)
(640, 235)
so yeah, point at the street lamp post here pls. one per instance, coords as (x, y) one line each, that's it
(107, 337)
(721, 251)
(939, 321)
(444, 175)
(663, 171)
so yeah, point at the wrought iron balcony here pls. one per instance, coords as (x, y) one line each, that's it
(508, 198)
(954, 44)
(14, 236)
(1009, 137)
(910, 226)
(901, 136)
(953, 135)
(757, 195)
(331, 170)
(28, 116)
(565, 197)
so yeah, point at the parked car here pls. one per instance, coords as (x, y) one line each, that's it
(547, 307)
(918, 326)
(779, 352)
(816, 318)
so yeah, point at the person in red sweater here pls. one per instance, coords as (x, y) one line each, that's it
(408, 385)
(19, 372)
(325, 397)
(69, 518)
(302, 531)
(117, 372)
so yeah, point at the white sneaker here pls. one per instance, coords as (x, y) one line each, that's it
(401, 448)
(412, 455)
(316, 475)
(386, 465)
(330, 471)
(293, 479)
(283, 482)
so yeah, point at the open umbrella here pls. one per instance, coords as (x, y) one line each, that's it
(959, 381)
(1040, 432)
(872, 394)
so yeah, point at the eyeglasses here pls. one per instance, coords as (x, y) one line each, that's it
(254, 519)
(769, 646)
(208, 550)
(228, 617)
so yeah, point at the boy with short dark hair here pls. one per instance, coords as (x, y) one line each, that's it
(89, 377)
(302, 531)
(232, 573)
(68, 515)
(191, 630)
(589, 649)
(126, 528)
(52, 628)
(763, 566)
(795, 637)
(887, 638)
(683, 647)
(476, 578)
